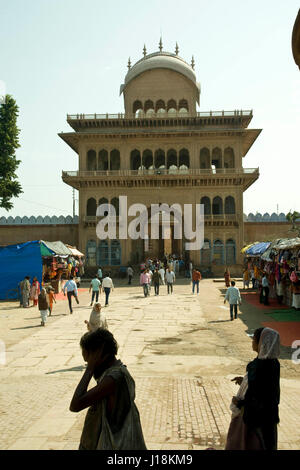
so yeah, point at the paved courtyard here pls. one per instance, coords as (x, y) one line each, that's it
(181, 349)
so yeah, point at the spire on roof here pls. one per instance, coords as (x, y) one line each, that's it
(129, 64)
(145, 51)
(160, 44)
(193, 63)
(176, 49)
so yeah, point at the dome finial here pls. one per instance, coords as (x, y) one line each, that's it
(129, 64)
(176, 49)
(145, 50)
(160, 44)
(193, 63)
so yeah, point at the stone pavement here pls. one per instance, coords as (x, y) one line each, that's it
(181, 350)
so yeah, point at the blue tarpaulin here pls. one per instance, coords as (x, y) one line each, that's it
(258, 249)
(16, 262)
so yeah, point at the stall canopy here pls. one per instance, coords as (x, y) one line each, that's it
(258, 249)
(288, 243)
(58, 248)
(74, 251)
(18, 261)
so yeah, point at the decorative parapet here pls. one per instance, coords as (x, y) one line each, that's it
(47, 220)
(258, 217)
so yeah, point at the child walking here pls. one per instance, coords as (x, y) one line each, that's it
(43, 306)
(51, 298)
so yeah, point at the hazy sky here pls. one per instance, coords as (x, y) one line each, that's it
(70, 56)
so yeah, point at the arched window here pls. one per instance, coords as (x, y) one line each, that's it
(171, 105)
(147, 159)
(228, 158)
(218, 253)
(230, 252)
(115, 253)
(103, 160)
(137, 105)
(91, 160)
(135, 159)
(115, 202)
(183, 104)
(160, 104)
(206, 253)
(229, 205)
(148, 105)
(160, 158)
(91, 249)
(115, 160)
(207, 206)
(184, 158)
(217, 207)
(103, 253)
(103, 200)
(91, 207)
(171, 158)
(217, 157)
(204, 158)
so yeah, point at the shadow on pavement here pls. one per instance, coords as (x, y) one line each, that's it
(253, 317)
(71, 369)
(26, 327)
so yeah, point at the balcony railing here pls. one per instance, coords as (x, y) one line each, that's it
(71, 117)
(160, 171)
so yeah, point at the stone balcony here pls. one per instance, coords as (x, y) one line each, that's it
(162, 177)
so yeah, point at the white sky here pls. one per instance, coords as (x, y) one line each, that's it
(70, 56)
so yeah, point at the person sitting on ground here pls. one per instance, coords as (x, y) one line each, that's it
(97, 319)
(112, 421)
(255, 414)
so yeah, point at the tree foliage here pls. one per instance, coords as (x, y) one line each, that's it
(9, 142)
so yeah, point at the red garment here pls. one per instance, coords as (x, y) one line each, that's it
(196, 276)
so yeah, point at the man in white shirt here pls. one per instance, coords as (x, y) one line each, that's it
(107, 285)
(162, 273)
(130, 274)
(71, 288)
(234, 298)
(170, 279)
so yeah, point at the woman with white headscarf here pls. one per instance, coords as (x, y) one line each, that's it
(255, 407)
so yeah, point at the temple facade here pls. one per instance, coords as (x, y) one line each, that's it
(163, 150)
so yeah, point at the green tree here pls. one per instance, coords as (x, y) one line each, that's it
(9, 142)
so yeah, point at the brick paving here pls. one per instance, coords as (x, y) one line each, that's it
(181, 350)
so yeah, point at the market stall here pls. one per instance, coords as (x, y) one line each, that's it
(59, 267)
(280, 259)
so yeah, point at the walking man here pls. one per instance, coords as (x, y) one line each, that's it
(96, 289)
(145, 280)
(25, 291)
(234, 298)
(71, 288)
(170, 278)
(265, 288)
(156, 279)
(130, 274)
(196, 278)
(108, 286)
(99, 273)
(162, 273)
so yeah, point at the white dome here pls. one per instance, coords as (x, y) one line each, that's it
(161, 60)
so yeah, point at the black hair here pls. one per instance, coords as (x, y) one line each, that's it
(257, 334)
(94, 341)
(71, 277)
(233, 283)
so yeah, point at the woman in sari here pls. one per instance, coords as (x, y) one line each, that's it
(112, 421)
(255, 407)
(35, 291)
(227, 277)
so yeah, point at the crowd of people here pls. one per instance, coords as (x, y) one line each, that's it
(112, 420)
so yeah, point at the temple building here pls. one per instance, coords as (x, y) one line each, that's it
(163, 150)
